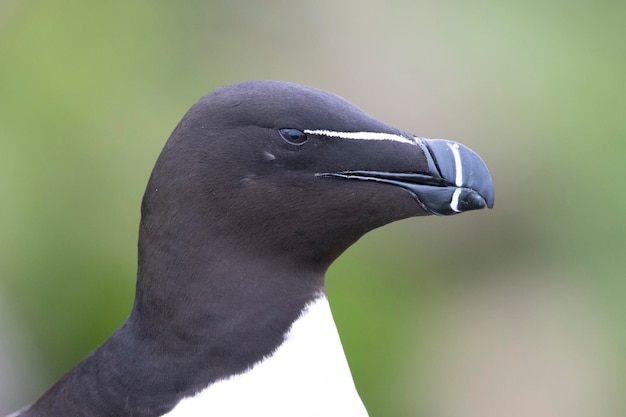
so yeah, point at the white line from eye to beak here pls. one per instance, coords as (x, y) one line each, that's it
(362, 136)
(458, 181)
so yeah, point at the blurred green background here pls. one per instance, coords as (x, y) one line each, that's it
(517, 311)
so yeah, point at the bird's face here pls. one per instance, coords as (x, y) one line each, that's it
(310, 167)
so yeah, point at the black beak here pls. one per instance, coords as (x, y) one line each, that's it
(458, 180)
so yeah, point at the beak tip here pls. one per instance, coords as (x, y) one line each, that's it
(461, 166)
(469, 200)
(486, 195)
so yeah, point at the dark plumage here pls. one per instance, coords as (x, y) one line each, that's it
(260, 187)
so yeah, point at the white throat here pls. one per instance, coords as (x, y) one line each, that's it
(307, 376)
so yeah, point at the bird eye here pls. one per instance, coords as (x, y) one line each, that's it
(293, 136)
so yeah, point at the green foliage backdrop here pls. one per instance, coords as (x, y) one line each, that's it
(517, 311)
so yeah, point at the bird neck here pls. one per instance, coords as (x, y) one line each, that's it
(189, 284)
(307, 375)
(221, 305)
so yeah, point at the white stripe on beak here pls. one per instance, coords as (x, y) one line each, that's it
(458, 181)
(454, 204)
